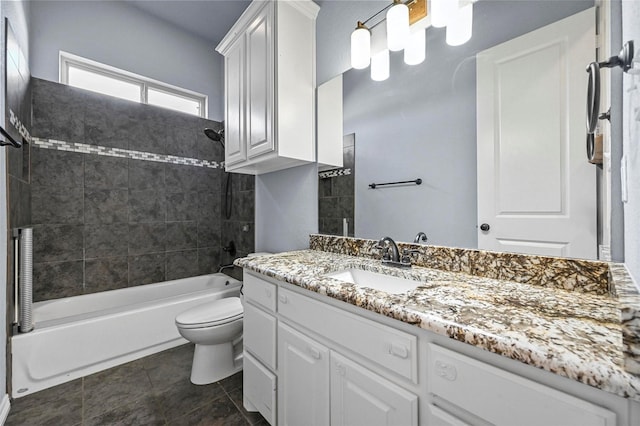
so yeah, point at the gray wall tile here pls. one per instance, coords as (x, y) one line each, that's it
(102, 172)
(146, 269)
(57, 279)
(147, 238)
(53, 205)
(146, 175)
(106, 240)
(182, 264)
(128, 222)
(57, 242)
(56, 168)
(106, 274)
(181, 235)
(182, 206)
(106, 205)
(147, 206)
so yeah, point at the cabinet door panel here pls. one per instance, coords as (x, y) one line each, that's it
(259, 334)
(260, 84)
(235, 148)
(439, 417)
(304, 378)
(259, 388)
(360, 397)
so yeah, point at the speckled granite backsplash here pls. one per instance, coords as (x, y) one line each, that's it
(562, 273)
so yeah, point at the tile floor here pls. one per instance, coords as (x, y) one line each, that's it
(150, 391)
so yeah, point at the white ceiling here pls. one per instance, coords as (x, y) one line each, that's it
(207, 19)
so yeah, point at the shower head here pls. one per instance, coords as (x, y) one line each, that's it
(215, 135)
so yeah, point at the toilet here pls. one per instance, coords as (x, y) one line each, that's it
(216, 329)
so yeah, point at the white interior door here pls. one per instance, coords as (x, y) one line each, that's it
(536, 190)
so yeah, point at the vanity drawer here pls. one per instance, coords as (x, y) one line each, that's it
(388, 347)
(259, 291)
(502, 398)
(259, 335)
(259, 389)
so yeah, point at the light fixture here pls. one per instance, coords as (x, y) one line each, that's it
(380, 66)
(442, 11)
(414, 52)
(397, 26)
(360, 47)
(460, 26)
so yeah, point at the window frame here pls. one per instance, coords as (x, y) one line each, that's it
(67, 60)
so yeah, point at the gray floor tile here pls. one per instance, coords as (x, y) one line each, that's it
(142, 412)
(112, 388)
(168, 367)
(232, 383)
(221, 413)
(61, 405)
(182, 397)
(252, 417)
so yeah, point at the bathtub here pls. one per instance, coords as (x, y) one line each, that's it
(81, 335)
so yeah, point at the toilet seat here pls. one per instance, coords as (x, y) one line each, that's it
(211, 314)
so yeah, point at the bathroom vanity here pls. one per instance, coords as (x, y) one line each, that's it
(541, 342)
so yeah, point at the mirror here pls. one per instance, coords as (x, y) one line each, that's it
(422, 123)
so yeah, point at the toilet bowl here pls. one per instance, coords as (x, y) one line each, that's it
(216, 330)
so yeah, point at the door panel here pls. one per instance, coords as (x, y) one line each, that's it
(235, 148)
(536, 189)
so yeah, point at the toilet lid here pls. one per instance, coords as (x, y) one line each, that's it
(212, 313)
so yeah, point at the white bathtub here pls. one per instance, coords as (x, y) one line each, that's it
(81, 335)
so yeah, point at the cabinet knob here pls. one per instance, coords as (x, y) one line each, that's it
(314, 352)
(283, 298)
(485, 227)
(446, 371)
(399, 350)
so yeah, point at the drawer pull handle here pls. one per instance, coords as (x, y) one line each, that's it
(314, 352)
(283, 298)
(399, 351)
(446, 371)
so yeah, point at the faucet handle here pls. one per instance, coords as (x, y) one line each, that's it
(406, 255)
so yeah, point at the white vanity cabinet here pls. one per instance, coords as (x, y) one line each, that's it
(313, 361)
(270, 87)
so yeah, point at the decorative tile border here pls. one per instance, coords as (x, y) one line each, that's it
(553, 272)
(123, 153)
(334, 173)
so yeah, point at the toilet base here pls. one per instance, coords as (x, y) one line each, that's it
(212, 363)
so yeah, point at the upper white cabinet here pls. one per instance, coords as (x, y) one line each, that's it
(270, 87)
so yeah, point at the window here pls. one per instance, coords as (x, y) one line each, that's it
(90, 75)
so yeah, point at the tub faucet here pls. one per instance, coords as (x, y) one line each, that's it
(223, 267)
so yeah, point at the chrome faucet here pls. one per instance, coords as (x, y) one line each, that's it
(387, 244)
(420, 237)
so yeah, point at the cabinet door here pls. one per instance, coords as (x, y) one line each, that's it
(304, 375)
(360, 397)
(259, 389)
(235, 147)
(439, 417)
(259, 336)
(260, 82)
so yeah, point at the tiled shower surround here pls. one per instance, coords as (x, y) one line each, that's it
(125, 194)
(336, 193)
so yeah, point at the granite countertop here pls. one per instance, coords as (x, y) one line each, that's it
(574, 335)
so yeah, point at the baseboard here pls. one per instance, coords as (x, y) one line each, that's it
(5, 405)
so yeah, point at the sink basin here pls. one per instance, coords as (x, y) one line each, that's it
(374, 280)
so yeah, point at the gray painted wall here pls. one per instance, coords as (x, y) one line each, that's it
(631, 145)
(18, 14)
(117, 34)
(286, 208)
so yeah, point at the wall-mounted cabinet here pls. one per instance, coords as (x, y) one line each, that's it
(270, 87)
